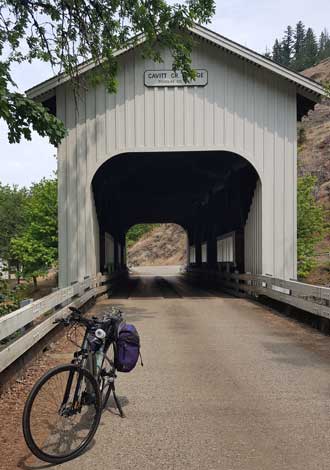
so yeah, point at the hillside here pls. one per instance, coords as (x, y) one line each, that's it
(164, 245)
(314, 158)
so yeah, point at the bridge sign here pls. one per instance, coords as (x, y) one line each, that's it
(173, 78)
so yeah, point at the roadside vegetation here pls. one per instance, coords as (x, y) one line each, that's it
(137, 231)
(311, 224)
(28, 241)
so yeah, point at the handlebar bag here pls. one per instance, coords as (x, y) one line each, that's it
(128, 347)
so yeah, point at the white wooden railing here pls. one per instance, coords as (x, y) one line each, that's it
(312, 299)
(42, 313)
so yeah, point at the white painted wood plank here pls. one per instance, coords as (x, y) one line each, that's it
(159, 94)
(178, 117)
(72, 201)
(81, 185)
(120, 111)
(139, 102)
(62, 192)
(129, 100)
(25, 342)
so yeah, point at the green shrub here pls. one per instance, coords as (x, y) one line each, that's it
(310, 224)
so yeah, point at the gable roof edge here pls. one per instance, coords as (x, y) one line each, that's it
(43, 89)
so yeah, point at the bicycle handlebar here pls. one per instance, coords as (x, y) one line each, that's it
(76, 317)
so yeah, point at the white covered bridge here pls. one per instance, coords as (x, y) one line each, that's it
(217, 156)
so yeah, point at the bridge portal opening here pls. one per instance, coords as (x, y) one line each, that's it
(213, 195)
(156, 245)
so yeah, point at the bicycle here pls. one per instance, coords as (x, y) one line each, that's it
(63, 410)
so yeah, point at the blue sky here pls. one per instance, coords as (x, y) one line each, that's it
(254, 23)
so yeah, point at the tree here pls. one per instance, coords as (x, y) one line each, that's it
(299, 38)
(36, 247)
(287, 47)
(277, 52)
(310, 220)
(310, 49)
(65, 33)
(137, 231)
(12, 219)
(324, 45)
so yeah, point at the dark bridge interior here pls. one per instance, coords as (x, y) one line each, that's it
(207, 193)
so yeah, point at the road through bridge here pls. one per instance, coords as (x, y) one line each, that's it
(226, 384)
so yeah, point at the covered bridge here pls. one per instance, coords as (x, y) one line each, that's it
(217, 156)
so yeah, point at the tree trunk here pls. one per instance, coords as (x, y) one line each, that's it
(18, 276)
(34, 281)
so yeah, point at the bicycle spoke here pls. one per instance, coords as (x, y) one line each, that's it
(63, 413)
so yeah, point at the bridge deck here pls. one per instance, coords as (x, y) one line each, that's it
(227, 384)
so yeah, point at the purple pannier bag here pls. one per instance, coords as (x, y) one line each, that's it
(128, 348)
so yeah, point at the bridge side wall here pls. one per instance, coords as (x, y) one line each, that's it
(253, 234)
(243, 109)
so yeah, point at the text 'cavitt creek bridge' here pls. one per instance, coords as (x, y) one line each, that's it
(228, 383)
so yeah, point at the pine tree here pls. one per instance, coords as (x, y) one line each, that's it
(277, 52)
(299, 38)
(310, 49)
(324, 45)
(287, 47)
(268, 54)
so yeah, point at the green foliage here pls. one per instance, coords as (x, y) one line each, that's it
(10, 298)
(287, 46)
(310, 221)
(67, 33)
(324, 45)
(137, 231)
(310, 48)
(299, 48)
(36, 248)
(12, 218)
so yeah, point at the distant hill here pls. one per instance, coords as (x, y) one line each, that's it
(164, 245)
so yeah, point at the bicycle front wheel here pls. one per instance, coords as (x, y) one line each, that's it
(62, 413)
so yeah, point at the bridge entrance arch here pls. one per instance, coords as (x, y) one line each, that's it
(215, 196)
(240, 112)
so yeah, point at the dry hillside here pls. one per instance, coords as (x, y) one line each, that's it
(314, 148)
(314, 158)
(164, 245)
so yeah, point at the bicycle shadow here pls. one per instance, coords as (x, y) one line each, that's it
(111, 405)
(24, 464)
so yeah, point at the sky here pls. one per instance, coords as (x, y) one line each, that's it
(253, 23)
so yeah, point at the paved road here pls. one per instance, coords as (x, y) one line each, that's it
(227, 384)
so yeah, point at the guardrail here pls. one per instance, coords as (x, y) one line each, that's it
(312, 299)
(43, 312)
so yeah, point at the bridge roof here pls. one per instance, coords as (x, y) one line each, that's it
(308, 88)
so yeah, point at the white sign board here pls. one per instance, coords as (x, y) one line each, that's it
(172, 78)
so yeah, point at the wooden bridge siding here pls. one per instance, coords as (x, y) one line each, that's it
(252, 235)
(243, 109)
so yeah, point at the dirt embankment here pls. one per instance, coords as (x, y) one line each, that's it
(164, 245)
(314, 158)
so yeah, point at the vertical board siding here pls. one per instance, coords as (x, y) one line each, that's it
(72, 180)
(252, 234)
(81, 185)
(62, 194)
(243, 109)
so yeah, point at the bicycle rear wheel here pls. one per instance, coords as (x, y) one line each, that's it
(62, 413)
